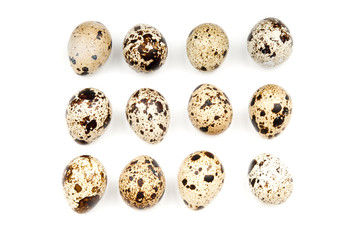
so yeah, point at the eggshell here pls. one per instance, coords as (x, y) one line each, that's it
(270, 42)
(89, 47)
(269, 179)
(200, 178)
(207, 46)
(209, 109)
(142, 183)
(144, 48)
(270, 110)
(84, 183)
(148, 115)
(88, 114)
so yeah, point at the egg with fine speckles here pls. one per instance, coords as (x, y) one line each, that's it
(142, 183)
(88, 114)
(144, 48)
(89, 47)
(270, 42)
(148, 115)
(270, 110)
(200, 179)
(209, 109)
(269, 179)
(207, 46)
(84, 183)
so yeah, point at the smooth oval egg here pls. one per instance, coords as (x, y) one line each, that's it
(88, 114)
(270, 42)
(207, 46)
(148, 115)
(142, 183)
(144, 48)
(209, 109)
(89, 47)
(84, 183)
(270, 110)
(269, 179)
(200, 178)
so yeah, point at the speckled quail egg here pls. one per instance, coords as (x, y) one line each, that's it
(270, 110)
(207, 46)
(269, 179)
(144, 48)
(84, 183)
(89, 47)
(209, 109)
(200, 178)
(87, 115)
(142, 183)
(148, 115)
(270, 42)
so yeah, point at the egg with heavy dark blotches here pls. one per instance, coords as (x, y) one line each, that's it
(88, 114)
(270, 110)
(142, 183)
(148, 115)
(89, 47)
(84, 183)
(207, 46)
(209, 109)
(200, 179)
(270, 42)
(144, 48)
(269, 179)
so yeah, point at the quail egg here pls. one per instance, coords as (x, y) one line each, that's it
(84, 183)
(144, 48)
(89, 47)
(270, 110)
(142, 182)
(270, 42)
(269, 179)
(200, 178)
(87, 115)
(147, 112)
(209, 109)
(207, 46)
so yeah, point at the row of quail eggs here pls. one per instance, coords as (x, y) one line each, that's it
(145, 48)
(89, 112)
(200, 178)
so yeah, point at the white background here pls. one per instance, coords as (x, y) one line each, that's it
(320, 146)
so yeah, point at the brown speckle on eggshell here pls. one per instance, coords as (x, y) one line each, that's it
(209, 109)
(200, 178)
(84, 183)
(87, 115)
(142, 183)
(89, 47)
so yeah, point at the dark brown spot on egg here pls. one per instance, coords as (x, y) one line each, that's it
(208, 178)
(99, 35)
(195, 157)
(90, 126)
(206, 103)
(87, 94)
(192, 187)
(251, 166)
(250, 36)
(87, 203)
(208, 154)
(266, 49)
(140, 196)
(204, 129)
(82, 142)
(184, 182)
(254, 123)
(77, 188)
(253, 182)
(276, 107)
(278, 121)
(159, 106)
(140, 182)
(155, 164)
